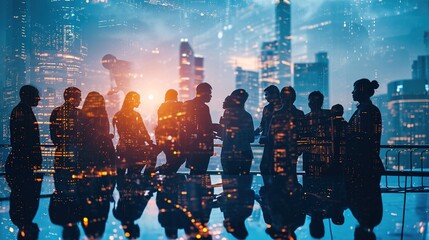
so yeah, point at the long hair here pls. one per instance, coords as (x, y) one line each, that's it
(129, 99)
(94, 110)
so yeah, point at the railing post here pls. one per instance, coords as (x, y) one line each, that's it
(403, 208)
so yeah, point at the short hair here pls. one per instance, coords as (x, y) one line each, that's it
(171, 94)
(27, 91)
(288, 89)
(240, 96)
(71, 92)
(337, 110)
(316, 94)
(272, 89)
(204, 87)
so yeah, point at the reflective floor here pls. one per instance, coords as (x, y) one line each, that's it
(416, 218)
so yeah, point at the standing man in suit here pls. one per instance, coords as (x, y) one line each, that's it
(198, 131)
(24, 158)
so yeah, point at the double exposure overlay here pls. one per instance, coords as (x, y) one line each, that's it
(214, 119)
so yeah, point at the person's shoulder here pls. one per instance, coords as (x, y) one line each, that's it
(20, 109)
(58, 109)
(326, 112)
(299, 112)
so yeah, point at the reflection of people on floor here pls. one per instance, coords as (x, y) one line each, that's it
(286, 207)
(172, 193)
(199, 203)
(66, 134)
(135, 194)
(237, 202)
(24, 158)
(97, 165)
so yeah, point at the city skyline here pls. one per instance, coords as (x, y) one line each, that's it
(357, 35)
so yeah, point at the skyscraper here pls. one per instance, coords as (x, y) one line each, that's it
(420, 68)
(309, 77)
(16, 59)
(426, 41)
(199, 70)
(284, 41)
(191, 71)
(249, 81)
(268, 68)
(58, 53)
(408, 104)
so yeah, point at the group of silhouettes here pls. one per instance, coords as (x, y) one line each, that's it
(341, 162)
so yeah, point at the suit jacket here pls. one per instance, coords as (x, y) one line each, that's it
(26, 154)
(197, 128)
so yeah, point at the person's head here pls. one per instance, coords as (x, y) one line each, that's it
(29, 95)
(364, 89)
(271, 93)
(73, 96)
(171, 95)
(337, 110)
(239, 96)
(94, 105)
(288, 95)
(94, 109)
(228, 102)
(315, 100)
(204, 91)
(131, 101)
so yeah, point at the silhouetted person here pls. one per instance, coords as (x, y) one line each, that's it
(97, 165)
(66, 134)
(317, 162)
(237, 202)
(272, 96)
(237, 134)
(172, 192)
(134, 146)
(197, 130)
(24, 158)
(364, 166)
(285, 129)
(167, 132)
(316, 124)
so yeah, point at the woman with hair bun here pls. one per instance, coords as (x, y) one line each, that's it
(364, 166)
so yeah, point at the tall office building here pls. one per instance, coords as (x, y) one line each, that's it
(408, 104)
(58, 54)
(268, 68)
(191, 71)
(199, 70)
(16, 59)
(249, 81)
(426, 41)
(309, 77)
(420, 68)
(284, 41)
